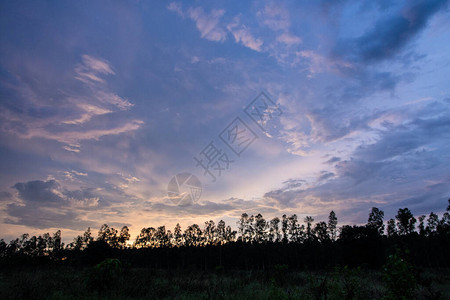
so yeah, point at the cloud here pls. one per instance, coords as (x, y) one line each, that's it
(176, 7)
(46, 218)
(320, 64)
(407, 137)
(280, 42)
(242, 35)
(91, 68)
(390, 34)
(39, 191)
(90, 111)
(274, 16)
(72, 175)
(324, 175)
(52, 194)
(231, 206)
(45, 204)
(289, 39)
(75, 117)
(404, 165)
(333, 160)
(73, 138)
(208, 24)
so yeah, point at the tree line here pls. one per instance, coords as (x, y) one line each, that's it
(287, 236)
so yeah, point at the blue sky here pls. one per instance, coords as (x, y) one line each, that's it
(103, 102)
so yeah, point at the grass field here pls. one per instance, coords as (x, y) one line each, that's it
(64, 282)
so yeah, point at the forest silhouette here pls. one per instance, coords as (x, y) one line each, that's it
(277, 247)
(257, 243)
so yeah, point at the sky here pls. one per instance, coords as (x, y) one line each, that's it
(273, 107)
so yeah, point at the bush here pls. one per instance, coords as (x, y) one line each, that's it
(105, 274)
(399, 278)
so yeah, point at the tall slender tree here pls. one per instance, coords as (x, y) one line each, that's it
(260, 227)
(220, 232)
(309, 234)
(177, 236)
(432, 223)
(320, 230)
(124, 236)
(284, 228)
(405, 221)
(375, 220)
(391, 229)
(274, 230)
(332, 225)
(422, 225)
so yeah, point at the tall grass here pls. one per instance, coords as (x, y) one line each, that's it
(111, 280)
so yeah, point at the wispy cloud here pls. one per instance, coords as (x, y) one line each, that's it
(289, 39)
(91, 68)
(275, 16)
(391, 33)
(74, 117)
(242, 35)
(318, 63)
(176, 7)
(208, 24)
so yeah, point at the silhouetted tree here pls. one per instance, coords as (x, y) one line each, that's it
(124, 236)
(29, 245)
(13, 247)
(422, 225)
(108, 234)
(193, 235)
(3, 248)
(161, 237)
(57, 245)
(42, 243)
(405, 221)
(444, 224)
(391, 228)
(321, 232)
(209, 232)
(177, 236)
(221, 233)
(432, 223)
(146, 238)
(356, 245)
(245, 226)
(375, 220)
(284, 228)
(260, 226)
(332, 225)
(308, 220)
(294, 230)
(87, 237)
(274, 230)
(22, 243)
(230, 235)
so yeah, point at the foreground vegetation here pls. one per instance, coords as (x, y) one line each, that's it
(121, 282)
(276, 259)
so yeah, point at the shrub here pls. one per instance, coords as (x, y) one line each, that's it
(105, 274)
(399, 278)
